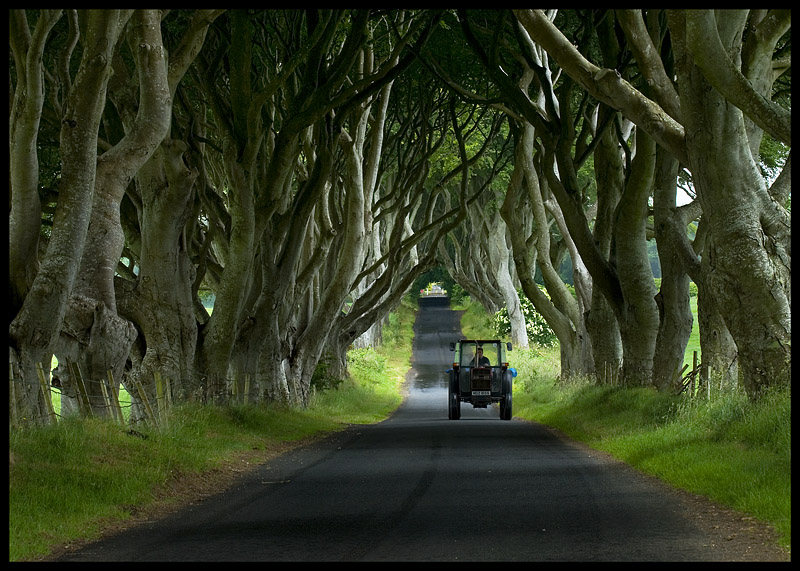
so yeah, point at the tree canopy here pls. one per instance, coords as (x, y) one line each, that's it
(308, 165)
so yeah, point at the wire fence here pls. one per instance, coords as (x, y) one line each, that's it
(92, 397)
(114, 401)
(106, 397)
(698, 381)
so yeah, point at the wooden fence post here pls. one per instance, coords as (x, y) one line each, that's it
(115, 398)
(107, 401)
(12, 389)
(168, 392)
(51, 413)
(147, 407)
(159, 394)
(678, 377)
(235, 387)
(80, 388)
(163, 395)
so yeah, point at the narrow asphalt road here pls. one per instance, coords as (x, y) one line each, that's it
(419, 487)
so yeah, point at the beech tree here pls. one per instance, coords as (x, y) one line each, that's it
(477, 253)
(93, 335)
(724, 93)
(160, 216)
(540, 115)
(304, 150)
(410, 216)
(651, 329)
(137, 116)
(306, 166)
(35, 329)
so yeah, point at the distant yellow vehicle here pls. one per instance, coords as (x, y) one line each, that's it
(433, 289)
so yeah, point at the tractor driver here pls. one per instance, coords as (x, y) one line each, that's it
(480, 359)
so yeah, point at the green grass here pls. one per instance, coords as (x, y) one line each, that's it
(729, 449)
(475, 323)
(68, 480)
(694, 339)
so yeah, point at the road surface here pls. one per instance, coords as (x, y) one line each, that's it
(419, 487)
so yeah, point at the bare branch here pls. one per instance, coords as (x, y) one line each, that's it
(606, 85)
(703, 40)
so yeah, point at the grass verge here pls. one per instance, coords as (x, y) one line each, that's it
(80, 477)
(728, 449)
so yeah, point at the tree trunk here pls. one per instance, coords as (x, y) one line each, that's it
(159, 298)
(217, 340)
(350, 256)
(97, 340)
(748, 272)
(25, 218)
(531, 243)
(499, 253)
(602, 323)
(603, 328)
(33, 334)
(720, 355)
(105, 238)
(675, 315)
(639, 321)
(161, 301)
(288, 262)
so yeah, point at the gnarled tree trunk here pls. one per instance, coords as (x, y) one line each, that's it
(104, 338)
(34, 332)
(748, 266)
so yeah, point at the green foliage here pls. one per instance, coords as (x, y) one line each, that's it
(772, 156)
(694, 339)
(692, 287)
(321, 379)
(369, 394)
(539, 331)
(435, 275)
(367, 365)
(391, 329)
(457, 295)
(398, 330)
(475, 323)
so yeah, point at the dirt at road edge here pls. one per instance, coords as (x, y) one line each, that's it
(734, 536)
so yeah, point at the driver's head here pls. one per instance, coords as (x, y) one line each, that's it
(480, 351)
